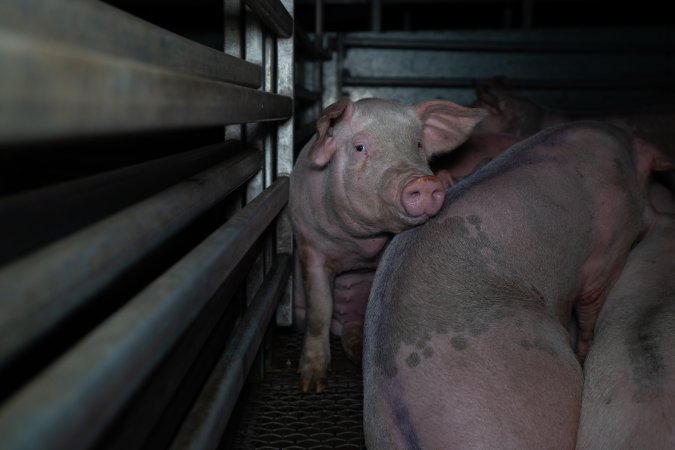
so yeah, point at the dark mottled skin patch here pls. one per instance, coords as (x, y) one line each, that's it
(473, 257)
(413, 359)
(480, 270)
(646, 359)
(459, 343)
(474, 220)
(428, 352)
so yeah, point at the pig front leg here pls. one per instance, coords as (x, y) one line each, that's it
(317, 280)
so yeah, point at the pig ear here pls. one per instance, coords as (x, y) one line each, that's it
(649, 159)
(445, 125)
(324, 145)
(486, 99)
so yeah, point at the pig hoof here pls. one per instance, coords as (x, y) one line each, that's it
(352, 342)
(313, 382)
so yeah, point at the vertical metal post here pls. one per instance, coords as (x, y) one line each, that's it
(285, 69)
(253, 52)
(339, 65)
(232, 45)
(376, 15)
(527, 14)
(318, 64)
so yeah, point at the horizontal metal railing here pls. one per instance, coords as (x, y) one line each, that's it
(53, 86)
(43, 288)
(70, 205)
(120, 283)
(206, 421)
(72, 402)
(101, 29)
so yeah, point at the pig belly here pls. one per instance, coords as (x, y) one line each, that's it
(350, 298)
(517, 386)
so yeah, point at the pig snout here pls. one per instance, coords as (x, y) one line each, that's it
(423, 196)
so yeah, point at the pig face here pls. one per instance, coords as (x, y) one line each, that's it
(375, 152)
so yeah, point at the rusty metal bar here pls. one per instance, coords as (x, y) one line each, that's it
(49, 90)
(273, 14)
(70, 404)
(206, 422)
(40, 290)
(102, 29)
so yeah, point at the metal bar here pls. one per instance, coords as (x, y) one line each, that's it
(72, 205)
(285, 155)
(69, 404)
(233, 44)
(458, 82)
(505, 46)
(206, 422)
(144, 423)
(310, 48)
(304, 94)
(48, 90)
(376, 15)
(40, 290)
(100, 28)
(318, 21)
(303, 134)
(273, 14)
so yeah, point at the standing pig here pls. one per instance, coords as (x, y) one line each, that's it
(363, 177)
(629, 375)
(466, 335)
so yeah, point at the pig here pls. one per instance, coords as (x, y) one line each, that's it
(481, 147)
(512, 113)
(478, 150)
(363, 177)
(628, 399)
(466, 341)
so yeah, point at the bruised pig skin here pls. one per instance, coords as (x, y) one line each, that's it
(363, 177)
(466, 342)
(629, 376)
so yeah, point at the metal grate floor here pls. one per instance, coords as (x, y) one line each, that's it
(278, 415)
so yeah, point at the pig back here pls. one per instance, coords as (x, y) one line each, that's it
(467, 316)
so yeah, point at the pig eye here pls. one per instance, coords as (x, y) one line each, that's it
(359, 148)
(419, 144)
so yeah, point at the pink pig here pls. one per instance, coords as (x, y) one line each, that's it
(629, 384)
(363, 177)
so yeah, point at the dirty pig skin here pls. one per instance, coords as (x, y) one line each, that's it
(363, 177)
(466, 340)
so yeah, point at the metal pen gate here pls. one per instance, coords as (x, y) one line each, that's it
(144, 243)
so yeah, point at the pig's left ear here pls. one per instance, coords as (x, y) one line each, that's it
(324, 145)
(445, 125)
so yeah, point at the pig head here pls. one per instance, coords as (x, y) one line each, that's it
(363, 177)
